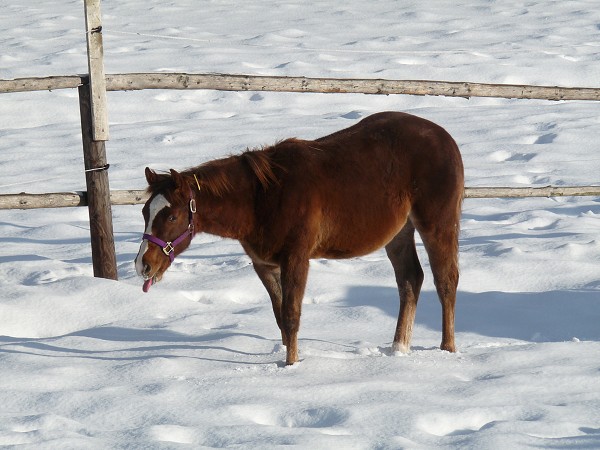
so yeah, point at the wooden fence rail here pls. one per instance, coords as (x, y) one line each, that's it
(225, 82)
(67, 199)
(136, 197)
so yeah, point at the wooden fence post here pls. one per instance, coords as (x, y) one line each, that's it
(94, 131)
(98, 194)
(97, 79)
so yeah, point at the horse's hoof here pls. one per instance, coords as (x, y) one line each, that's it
(291, 360)
(397, 347)
(448, 347)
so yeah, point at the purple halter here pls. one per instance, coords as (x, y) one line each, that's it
(168, 248)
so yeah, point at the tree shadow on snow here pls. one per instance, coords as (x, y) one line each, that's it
(553, 316)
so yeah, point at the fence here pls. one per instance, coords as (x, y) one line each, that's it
(92, 93)
(136, 197)
(226, 82)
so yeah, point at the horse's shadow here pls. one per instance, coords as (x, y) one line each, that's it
(145, 344)
(552, 316)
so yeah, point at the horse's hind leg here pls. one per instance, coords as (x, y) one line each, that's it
(441, 244)
(409, 275)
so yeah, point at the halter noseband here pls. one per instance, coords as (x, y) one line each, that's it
(168, 248)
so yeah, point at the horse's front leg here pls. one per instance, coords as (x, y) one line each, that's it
(294, 272)
(270, 275)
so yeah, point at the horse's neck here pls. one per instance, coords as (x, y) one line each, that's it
(229, 214)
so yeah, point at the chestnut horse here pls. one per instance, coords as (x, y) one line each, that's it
(340, 196)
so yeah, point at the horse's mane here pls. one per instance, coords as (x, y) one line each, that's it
(213, 176)
(218, 176)
(261, 163)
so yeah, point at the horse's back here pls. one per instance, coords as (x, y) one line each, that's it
(360, 184)
(398, 134)
(394, 153)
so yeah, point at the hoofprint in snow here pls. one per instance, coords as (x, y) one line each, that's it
(90, 363)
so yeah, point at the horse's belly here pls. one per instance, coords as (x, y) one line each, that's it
(352, 241)
(345, 253)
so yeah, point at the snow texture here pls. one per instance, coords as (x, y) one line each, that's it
(88, 363)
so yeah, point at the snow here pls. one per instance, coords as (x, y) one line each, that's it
(197, 362)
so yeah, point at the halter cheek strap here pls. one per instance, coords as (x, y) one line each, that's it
(168, 248)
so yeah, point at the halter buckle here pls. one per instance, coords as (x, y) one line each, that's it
(193, 206)
(168, 249)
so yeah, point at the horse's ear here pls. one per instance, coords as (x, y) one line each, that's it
(151, 176)
(178, 178)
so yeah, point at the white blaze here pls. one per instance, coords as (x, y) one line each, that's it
(158, 204)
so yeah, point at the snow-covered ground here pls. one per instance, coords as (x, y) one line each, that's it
(196, 363)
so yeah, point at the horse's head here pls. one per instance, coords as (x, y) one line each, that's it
(168, 216)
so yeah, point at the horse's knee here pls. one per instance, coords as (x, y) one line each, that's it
(419, 276)
(284, 339)
(446, 288)
(290, 328)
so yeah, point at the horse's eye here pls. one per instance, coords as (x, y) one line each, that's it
(172, 218)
